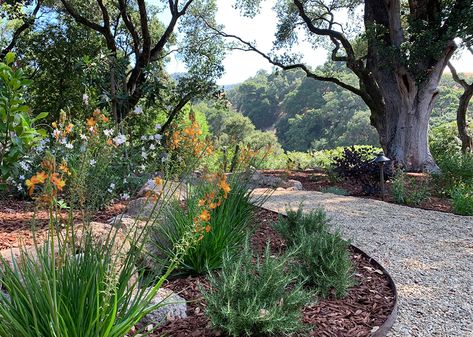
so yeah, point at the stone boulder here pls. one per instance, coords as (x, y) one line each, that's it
(129, 225)
(292, 185)
(259, 180)
(172, 307)
(168, 189)
(144, 208)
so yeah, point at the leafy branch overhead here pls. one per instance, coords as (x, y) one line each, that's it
(132, 31)
(397, 51)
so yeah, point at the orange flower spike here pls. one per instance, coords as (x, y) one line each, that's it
(208, 228)
(205, 215)
(30, 184)
(225, 187)
(39, 178)
(201, 202)
(57, 181)
(63, 167)
(91, 122)
(109, 142)
(104, 118)
(213, 205)
(158, 181)
(69, 128)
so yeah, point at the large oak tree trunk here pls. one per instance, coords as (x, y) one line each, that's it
(407, 93)
(403, 123)
(406, 131)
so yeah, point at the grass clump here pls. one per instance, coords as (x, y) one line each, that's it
(56, 291)
(224, 218)
(259, 298)
(323, 259)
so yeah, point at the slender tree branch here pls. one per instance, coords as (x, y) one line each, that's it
(457, 78)
(81, 19)
(144, 29)
(279, 64)
(176, 14)
(325, 32)
(26, 24)
(129, 25)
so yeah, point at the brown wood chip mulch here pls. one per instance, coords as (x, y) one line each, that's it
(16, 217)
(366, 306)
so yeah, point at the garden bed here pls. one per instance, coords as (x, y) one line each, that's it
(319, 180)
(369, 309)
(16, 218)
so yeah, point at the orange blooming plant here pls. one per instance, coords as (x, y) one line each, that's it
(188, 143)
(218, 210)
(49, 181)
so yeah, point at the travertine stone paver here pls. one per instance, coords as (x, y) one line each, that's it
(429, 255)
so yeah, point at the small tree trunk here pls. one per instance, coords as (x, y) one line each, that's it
(467, 141)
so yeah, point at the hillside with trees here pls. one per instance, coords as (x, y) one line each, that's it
(312, 115)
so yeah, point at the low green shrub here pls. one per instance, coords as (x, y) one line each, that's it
(462, 197)
(226, 223)
(300, 160)
(259, 298)
(443, 140)
(297, 224)
(406, 191)
(455, 169)
(323, 258)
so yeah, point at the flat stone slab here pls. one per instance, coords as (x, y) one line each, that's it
(429, 254)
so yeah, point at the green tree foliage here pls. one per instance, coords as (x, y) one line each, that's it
(309, 114)
(17, 132)
(138, 44)
(253, 98)
(64, 63)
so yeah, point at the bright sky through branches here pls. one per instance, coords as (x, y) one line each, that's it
(240, 65)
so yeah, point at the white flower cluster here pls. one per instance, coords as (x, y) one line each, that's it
(153, 141)
(119, 139)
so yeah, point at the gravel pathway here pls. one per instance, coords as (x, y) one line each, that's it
(429, 255)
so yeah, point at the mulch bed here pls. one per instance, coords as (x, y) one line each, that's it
(17, 217)
(366, 306)
(318, 180)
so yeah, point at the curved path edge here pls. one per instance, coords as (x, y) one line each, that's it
(428, 254)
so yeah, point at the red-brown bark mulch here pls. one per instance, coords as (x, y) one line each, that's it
(17, 217)
(366, 306)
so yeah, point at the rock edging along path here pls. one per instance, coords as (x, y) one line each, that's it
(429, 255)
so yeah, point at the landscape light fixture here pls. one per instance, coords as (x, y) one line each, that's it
(381, 159)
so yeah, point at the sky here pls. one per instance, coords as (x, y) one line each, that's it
(240, 65)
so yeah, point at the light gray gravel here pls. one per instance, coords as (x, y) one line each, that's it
(429, 255)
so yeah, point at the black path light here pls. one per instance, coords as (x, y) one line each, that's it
(381, 159)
